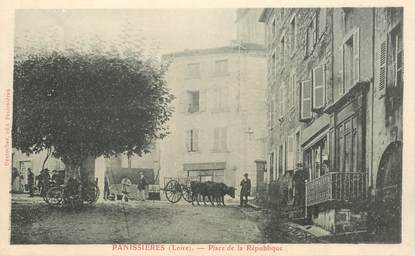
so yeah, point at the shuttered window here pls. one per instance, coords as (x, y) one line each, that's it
(290, 153)
(349, 60)
(341, 73)
(281, 100)
(271, 166)
(220, 139)
(382, 64)
(274, 67)
(356, 56)
(319, 87)
(192, 140)
(291, 91)
(306, 101)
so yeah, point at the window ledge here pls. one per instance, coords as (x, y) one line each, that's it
(358, 86)
(193, 152)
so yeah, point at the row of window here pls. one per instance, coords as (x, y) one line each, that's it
(285, 157)
(341, 142)
(220, 69)
(288, 42)
(215, 100)
(219, 140)
(312, 96)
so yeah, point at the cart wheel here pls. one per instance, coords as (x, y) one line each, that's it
(54, 197)
(173, 191)
(187, 193)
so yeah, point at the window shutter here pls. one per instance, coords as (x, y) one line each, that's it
(282, 100)
(187, 140)
(341, 74)
(319, 87)
(202, 100)
(382, 64)
(271, 114)
(290, 153)
(305, 113)
(356, 57)
(291, 92)
(195, 146)
(331, 143)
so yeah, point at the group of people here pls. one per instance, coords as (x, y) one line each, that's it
(125, 187)
(43, 181)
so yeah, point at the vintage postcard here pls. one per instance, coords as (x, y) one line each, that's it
(184, 128)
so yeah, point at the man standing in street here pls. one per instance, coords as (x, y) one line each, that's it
(30, 181)
(141, 186)
(245, 190)
(106, 186)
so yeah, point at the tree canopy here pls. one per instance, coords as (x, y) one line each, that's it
(83, 104)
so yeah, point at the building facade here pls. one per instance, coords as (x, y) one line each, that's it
(331, 116)
(218, 127)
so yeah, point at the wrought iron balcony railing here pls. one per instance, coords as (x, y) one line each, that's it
(337, 186)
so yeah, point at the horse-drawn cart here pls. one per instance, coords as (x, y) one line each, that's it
(178, 188)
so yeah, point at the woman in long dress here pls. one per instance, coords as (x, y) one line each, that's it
(16, 183)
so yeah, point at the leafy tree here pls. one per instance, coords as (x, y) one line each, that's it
(84, 105)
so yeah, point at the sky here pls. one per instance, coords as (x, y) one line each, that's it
(157, 30)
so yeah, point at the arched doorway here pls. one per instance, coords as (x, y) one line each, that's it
(389, 193)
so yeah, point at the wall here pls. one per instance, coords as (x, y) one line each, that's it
(325, 219)
(244, 116)
(302, 65)
(387, 127)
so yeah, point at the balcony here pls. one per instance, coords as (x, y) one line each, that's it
(337, 186)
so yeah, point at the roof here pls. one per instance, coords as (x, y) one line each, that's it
(223, 49)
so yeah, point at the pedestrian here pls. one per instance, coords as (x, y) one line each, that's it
(141, 186)
(106, 185)
(45, 181)
(30, 181)
(15, 180)
(125, 188)
(245, 190)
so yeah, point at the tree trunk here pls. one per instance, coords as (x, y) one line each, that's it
(83, 172)
(88, 169)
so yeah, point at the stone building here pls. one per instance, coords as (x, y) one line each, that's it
(218, 127)
(330, 109)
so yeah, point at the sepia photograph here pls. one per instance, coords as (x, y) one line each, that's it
(140, 128)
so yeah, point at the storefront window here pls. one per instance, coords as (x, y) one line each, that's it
(316, 159)
(347, 146)
(207, 175)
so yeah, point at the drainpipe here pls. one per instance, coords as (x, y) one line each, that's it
(305, 201)
(373, 97)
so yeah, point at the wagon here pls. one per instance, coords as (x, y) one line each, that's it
(177, 188)
(55, 196)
